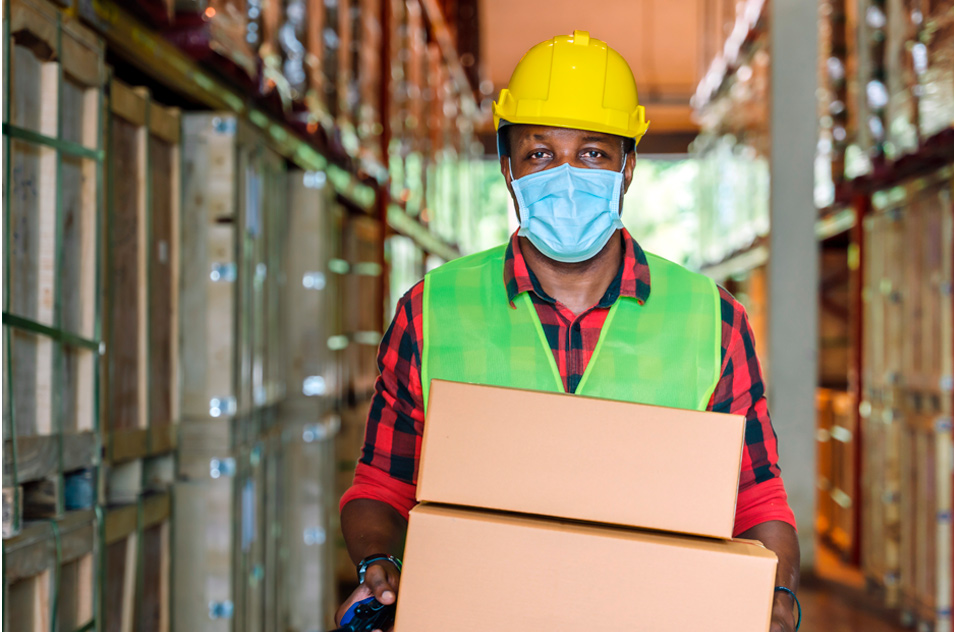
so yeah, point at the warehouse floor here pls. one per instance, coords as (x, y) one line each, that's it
(834, 599)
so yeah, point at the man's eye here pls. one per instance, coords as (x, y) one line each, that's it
(536, 154)
(594, 153)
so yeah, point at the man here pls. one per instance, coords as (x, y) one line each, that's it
(568, 125)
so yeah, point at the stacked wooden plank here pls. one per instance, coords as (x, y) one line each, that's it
(52, 211)
(141, 361)
(908, 398)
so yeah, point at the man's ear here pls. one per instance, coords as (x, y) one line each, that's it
(505, 162)
(629, 163)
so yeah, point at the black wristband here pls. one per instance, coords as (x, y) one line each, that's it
(378, 557)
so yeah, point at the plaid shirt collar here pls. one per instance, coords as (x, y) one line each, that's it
(633, 278)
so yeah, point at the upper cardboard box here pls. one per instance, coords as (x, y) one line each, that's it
(472, 570)
(575, 457)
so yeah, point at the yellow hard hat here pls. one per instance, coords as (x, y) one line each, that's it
(575, 82)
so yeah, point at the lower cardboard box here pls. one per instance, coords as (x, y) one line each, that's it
(468, 570)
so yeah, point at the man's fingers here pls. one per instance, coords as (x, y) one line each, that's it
(360, 593)
(381, 583)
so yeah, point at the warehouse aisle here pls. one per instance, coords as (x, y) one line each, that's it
(834, 599)
(212, 208)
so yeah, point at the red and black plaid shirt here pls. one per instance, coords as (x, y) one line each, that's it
(388, 467)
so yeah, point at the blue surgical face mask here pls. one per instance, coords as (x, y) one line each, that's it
(569, 213)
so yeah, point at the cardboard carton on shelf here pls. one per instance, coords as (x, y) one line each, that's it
(581, 458)
(468, 570)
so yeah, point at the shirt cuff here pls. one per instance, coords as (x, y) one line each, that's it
(762, 502)
(374, 484)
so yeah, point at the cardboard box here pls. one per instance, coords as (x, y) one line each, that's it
(469, 570)
(575, 457)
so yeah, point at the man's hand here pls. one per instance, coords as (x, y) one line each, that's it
(372, 527)
(381, 582)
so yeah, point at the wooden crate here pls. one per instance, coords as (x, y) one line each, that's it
(44, 567)
(312, 503)
(927, 534)
(365, 303)
(142, 323)
(834, 318)
(947, 259)
(136, 566)
(221, 581)
(164, 265)
(313, 291)
(56, 71)
(127, 337)
(233, 234)
(882, 422)
(932, 290)
(262, 287)
(884, 321)
(836, 436)
(210, 223)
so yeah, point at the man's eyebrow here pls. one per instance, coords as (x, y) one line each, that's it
(599, 139)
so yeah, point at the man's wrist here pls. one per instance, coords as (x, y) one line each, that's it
(375, 558)
(785, 606)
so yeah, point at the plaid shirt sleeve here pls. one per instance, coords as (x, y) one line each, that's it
(740, 391)
(388, 466)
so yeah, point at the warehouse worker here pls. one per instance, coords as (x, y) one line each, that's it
(567, 125)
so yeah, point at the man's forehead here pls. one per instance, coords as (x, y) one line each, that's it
(532, 133)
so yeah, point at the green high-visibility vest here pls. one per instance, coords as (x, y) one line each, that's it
(665, 352)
